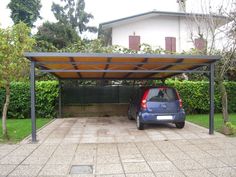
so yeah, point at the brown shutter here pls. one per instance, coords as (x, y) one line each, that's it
(170, 44)
(200, 44)
(173, 44)
(134, 42)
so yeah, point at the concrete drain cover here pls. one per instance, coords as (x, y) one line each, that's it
(81, 169)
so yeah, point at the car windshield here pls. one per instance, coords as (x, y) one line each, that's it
(162, 94)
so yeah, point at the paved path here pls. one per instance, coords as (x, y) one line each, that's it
(115, 148)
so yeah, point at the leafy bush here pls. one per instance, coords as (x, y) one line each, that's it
(46, 99)
(229, 128)
(195, 95)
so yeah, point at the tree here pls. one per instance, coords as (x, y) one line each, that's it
(58, 34)
(228, 61)
(218, 29)
(44, 46)
(105, 35)
(13, 42)
(73, 13)
(26, 11)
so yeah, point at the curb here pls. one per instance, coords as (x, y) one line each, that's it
(204, 128)
(38, 130)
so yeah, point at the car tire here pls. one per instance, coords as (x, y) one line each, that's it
(140, 125)
(179, 125)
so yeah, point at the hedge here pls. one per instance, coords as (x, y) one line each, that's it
(194, 95)
(47, 95)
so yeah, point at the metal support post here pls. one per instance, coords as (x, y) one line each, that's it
(211, 92)
(59, 101)
(32, 93)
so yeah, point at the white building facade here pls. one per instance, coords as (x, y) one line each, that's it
(160, 29)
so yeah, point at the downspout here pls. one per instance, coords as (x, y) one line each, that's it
(179, 34)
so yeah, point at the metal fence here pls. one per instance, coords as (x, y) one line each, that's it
(96, 94)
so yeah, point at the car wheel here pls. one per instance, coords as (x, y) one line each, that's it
(180, 124)
(140, 125)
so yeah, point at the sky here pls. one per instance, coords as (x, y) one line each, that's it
(107, 10)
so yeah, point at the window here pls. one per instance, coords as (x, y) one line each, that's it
(162, 94)
(134, 42)
(170, 44)
(200, 44)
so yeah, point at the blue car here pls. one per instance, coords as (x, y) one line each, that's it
(155, 105)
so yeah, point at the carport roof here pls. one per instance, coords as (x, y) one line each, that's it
(118, 66)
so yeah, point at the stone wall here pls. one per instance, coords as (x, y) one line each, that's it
(95, 110)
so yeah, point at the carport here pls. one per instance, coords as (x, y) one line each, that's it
(100, 66)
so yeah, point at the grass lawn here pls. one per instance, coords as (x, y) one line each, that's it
(18, 129)
(203, 120)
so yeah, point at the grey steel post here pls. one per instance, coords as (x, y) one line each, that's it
(32, 93)
(59, 101)
(211, 91)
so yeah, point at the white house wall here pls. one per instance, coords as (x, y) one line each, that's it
(190, 31)
(154, 30)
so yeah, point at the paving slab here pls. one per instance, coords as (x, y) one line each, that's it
(36, 160)
(136, 167)
(26, 170)
(107, 159)
(170, 174)
(6, 169)
(197, 173)
(84, 159)
(109, 169)
(115, 148)
(225, 171)
(160, 166)
(114, 175)
(153, 157)
(211, 163)
(187, 164)
(9, 160)
(140, 175)
(57, 170)
(132, 158)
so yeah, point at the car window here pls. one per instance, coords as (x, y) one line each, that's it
(162, 94)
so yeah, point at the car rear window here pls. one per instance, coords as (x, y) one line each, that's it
(163, 94)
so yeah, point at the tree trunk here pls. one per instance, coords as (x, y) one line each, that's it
(4, 112)
(224, 100)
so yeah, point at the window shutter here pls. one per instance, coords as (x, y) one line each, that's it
(173, 44)
(200, 44)
(170, 44)
(134, 42)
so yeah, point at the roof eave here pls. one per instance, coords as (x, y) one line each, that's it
(110, 24)
(31, 55)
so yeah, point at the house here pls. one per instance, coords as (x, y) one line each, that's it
(172, 31)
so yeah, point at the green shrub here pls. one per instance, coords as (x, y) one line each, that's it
(230, 128)
(46, 99)
(195, 97)
(231, 91)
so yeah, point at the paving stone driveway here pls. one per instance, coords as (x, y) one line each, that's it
(115, 148)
